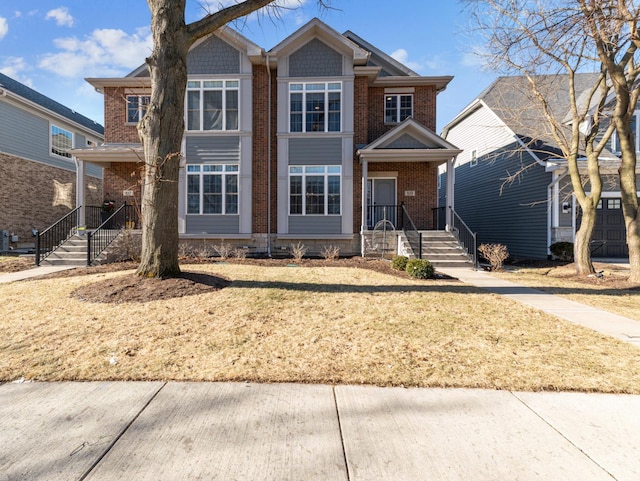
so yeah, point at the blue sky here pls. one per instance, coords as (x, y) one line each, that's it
(52, 45)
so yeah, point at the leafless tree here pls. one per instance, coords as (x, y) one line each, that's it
(161, 130)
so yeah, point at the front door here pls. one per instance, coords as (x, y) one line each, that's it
(381, 201)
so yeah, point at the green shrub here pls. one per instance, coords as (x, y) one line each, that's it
(399, 263)
(562, 250)
(420, 269)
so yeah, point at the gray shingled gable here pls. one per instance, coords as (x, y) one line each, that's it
(43, 101)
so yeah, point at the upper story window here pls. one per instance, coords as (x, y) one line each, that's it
(137, 107)
(61, 141)
(212, 104)
(397, 107)
(212, 189)
(615, 141)
(315, 107)
(314, 190)
(474, 158)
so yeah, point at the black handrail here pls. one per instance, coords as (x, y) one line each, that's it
(52, 237)
(466, 237)
(126, 216)
(414, 236)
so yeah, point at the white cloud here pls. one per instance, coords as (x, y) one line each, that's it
(14, 68)
(61, 15)
(402, 56)
(4, 27)
(104, 52)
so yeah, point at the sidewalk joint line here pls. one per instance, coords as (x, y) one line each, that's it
(344, 451)
(562, 435)
(120, 434)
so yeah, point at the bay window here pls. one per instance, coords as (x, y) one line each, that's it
(212, 104)
(315, 107)
(315, 190)
(212, 189)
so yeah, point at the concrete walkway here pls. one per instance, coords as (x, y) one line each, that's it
(30, 273)
(105, 431)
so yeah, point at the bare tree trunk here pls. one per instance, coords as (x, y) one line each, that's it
(582, 242)
(161, 132)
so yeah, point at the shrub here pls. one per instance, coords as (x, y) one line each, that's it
(420, 268)
(223, 250)
(240, 253)
(330, 253)
(562, 250)
(298, 251)
(496, 254)
(399, 263)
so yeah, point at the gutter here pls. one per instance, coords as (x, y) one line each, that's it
(268, 156)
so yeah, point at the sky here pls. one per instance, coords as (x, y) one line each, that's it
(53, 45)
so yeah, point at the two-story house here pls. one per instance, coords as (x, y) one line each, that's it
(37, 171)
(313, 141)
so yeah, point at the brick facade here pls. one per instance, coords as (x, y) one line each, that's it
(35, 195)
(116, 130)
(123, 176)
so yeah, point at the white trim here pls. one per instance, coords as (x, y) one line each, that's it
(201, 89)
(51, 152)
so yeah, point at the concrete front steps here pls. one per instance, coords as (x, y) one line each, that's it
(72, 252)
(441, 248)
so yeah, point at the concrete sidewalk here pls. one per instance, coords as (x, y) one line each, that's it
(31, 273)
(157, 431)
(620, 327)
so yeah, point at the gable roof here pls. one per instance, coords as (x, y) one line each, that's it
(7, 84)
(378, 58)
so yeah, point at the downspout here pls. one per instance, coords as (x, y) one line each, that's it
(268, 156)
(550, 187)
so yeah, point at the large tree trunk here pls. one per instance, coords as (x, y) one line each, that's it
(630, 209)
(582, 242)
(161, 132)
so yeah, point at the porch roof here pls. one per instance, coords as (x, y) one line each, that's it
(409, 141)
(107, 153)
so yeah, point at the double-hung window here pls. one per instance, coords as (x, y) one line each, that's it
(315, 190)
(212, 104)
(615, 140)
(212, 189)
(137, 107)
(61, 141)
(315, 107)
(397, 108)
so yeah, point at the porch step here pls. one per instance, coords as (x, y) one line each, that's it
(73, 252)
(441, 248)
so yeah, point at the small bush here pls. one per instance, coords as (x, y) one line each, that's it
(330, 253)
(496, 254)
(562, 250)
(224, 251)
(420, 269)
(298, 251)
(399, 263)
(240, 253)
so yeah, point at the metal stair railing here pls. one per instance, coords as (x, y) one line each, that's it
(54, 236)
(414, 236)
(105, 234)
(465, 236)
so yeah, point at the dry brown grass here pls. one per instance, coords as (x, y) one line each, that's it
(316, 325)
(15, 264)
(611, 292)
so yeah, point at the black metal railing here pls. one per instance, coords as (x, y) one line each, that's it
(50, 238)
(466, 237)
(377, 213)
(126, 216)
(414, 236)
(93, 216)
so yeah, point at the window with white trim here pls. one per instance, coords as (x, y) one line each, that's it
(212, 189)
(397, 107)
(61, 141)
(474, 158)
(315, 107)
(212, 105)
(315, 190)
(137, 107)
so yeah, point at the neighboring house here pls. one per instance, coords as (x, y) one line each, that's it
(37, 171)
(306, 142)
(511, 187)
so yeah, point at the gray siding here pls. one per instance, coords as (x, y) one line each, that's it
(315, 151)
(518, 216)
(213, 149)
(213, 56)
(312, 224)
(213, 224)
(406, 142)
(610, 183)
(315, 59)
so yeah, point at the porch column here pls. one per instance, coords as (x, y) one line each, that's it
(365, 173)
(450, 189)
(80, 194)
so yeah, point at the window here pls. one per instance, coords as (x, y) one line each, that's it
(212, 189)
(397, 108)
(212, 104)
(614, 204)
(315, 107)
(61, 141)
(615, 141)
(314, 190)
(137, 107)
(474, 158)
